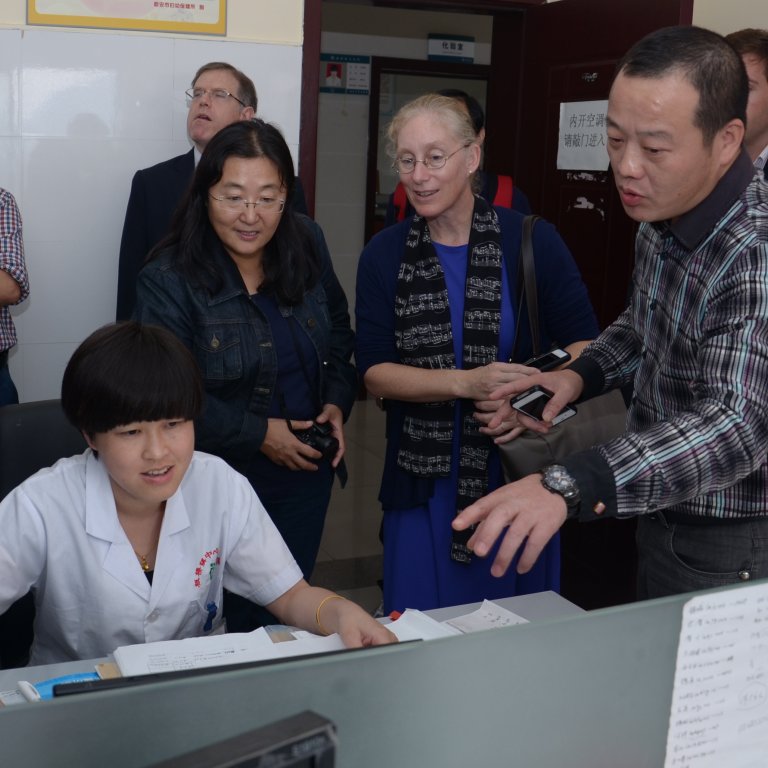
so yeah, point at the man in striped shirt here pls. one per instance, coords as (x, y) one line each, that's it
(692, 464)
(14, 287)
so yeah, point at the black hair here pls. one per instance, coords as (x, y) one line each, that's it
(290, 261)
(127, 372)
(246, 90)
(474, 109)
(709, 64)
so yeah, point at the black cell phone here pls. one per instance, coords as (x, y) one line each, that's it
(549, 360)
(532, 402)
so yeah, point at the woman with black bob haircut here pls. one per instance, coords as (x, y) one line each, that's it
(248, 286)
(135, 540)
(130, 372)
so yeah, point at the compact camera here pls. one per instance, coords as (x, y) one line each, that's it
(320, 437)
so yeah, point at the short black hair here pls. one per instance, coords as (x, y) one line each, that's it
(709, 64)
(474, 109)
(127, 372)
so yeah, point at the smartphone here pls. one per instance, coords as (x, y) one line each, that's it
(532, 402)
(549, 360)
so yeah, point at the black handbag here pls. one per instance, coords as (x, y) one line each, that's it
(597, 420)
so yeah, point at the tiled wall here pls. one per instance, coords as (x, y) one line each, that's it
(80, 112)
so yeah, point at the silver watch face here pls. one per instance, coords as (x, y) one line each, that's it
(557, 478)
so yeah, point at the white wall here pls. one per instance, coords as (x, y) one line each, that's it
(83, 111)
(726, 17)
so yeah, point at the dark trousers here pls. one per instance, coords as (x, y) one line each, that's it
(677, 557)
(8, 393)
(598, 562)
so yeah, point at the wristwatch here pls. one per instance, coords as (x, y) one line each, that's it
(556, 479)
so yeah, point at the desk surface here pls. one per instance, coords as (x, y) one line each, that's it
(536, 607)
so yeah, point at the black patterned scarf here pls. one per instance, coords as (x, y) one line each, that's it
(424, 339)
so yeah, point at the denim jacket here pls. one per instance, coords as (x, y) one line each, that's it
(232, 343)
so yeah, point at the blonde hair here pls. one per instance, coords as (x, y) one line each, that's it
(448, 110)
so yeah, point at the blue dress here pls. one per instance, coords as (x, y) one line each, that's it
(418, 570)
(421, 536)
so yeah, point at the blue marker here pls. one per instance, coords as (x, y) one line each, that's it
(211, 608)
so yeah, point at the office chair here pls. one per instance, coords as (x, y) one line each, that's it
(32, 436)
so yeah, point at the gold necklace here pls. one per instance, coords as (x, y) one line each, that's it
(143, 560)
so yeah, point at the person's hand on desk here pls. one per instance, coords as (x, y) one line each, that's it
(325, 613)
(356, 628)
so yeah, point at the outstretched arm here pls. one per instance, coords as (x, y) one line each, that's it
(523, 513)
(322, 612)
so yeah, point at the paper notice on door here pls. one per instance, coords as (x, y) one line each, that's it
(719, 713)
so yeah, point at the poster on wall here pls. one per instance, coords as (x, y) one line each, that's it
(581, 142)
(204, 17)
(343, 73)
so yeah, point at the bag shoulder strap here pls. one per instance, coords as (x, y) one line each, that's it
(505, 190)
(526, 286)
(400, 202)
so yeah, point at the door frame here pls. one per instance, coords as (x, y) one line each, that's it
(310, 96)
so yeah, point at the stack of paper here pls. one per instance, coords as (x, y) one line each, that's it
(219, 650)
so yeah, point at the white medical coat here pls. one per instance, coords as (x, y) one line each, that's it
(60, 536)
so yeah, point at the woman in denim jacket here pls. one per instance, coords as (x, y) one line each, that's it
(248, 286)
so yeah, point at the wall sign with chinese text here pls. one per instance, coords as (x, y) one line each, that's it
(581, 144)
(204, 17)
(451, 48)
(343, 73)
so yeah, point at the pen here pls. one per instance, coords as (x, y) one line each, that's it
(28, 691)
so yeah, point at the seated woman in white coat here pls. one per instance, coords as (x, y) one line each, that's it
(134, 540)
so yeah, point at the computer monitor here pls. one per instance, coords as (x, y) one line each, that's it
(305, 740)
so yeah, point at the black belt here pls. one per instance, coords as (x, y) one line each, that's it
(680, 518)
(3, 358)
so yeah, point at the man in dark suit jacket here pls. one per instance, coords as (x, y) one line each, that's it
(220, 95)
(752, 45)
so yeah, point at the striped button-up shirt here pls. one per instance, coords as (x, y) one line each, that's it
(695, 339)
(11, 261)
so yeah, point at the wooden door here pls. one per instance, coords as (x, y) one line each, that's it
(568, 52)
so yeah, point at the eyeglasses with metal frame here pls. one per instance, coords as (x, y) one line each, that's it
(239, 204)
(217, 94)
(435, 161)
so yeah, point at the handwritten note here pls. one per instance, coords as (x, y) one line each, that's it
(489, 615)
(719, 713)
